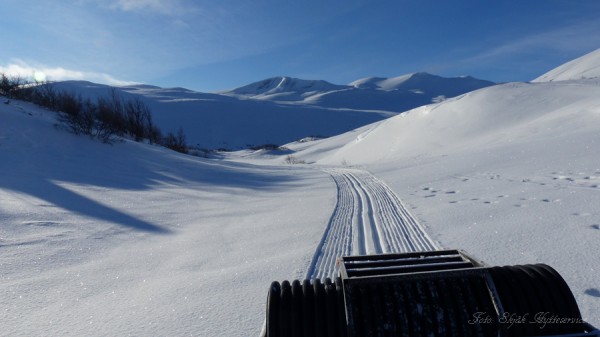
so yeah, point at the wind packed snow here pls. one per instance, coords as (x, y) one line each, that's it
(133, 239)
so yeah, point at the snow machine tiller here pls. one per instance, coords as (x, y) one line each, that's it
(436, 293)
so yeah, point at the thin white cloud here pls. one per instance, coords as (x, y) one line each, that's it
(580, 37)
(26, 71)
(158, 6)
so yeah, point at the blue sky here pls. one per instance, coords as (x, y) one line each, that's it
(215, 45)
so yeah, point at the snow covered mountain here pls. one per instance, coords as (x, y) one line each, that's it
(284, 89)
(214, 121)
(395, 94)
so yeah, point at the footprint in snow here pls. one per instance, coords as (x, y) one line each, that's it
(592, 292)
(595, 226)
(581, 214)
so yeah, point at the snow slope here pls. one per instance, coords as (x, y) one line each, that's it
(134, 240)
(214, 121)
(486, 118)
(278, 110)
(586, 66)
(510, 173)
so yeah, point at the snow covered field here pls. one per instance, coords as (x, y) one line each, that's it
(132, 239)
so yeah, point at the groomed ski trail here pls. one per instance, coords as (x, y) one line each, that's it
(368, 219)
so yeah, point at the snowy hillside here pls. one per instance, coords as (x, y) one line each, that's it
(135, 240)
(279, 110)
(510, 173)
(587, 66)
(214, 121)
(480, 120)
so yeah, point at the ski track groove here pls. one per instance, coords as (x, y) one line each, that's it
(368, 218)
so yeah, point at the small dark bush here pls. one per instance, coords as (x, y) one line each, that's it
(265, 147)
(176, 142)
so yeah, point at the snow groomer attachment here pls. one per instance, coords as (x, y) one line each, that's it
(437, 293)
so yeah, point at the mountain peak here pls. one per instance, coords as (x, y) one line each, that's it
(283, 88)
(367, 82)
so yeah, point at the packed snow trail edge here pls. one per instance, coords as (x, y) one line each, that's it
(368, 219)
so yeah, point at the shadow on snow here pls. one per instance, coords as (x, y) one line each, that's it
(40, 173)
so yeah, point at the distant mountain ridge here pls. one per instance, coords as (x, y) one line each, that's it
(421, 81)
(394, 94)
(284, 88)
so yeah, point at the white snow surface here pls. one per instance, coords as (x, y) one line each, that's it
(132, 239)
(586, 66)
(509, 173)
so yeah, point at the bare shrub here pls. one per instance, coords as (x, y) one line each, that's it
(289, 159)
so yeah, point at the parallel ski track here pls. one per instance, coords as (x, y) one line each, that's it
(368, 219)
